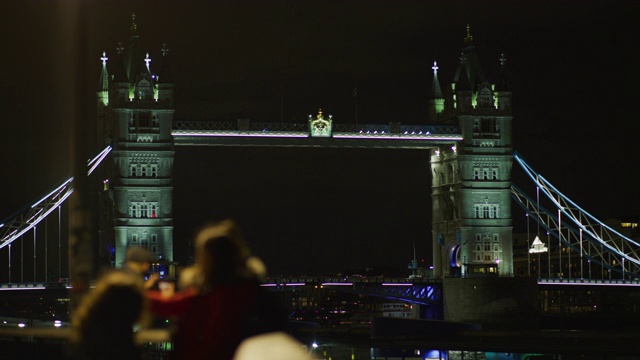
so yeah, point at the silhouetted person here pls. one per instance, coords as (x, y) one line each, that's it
(215, 311)
(102, 326)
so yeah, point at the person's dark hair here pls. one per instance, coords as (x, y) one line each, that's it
(102, 325)
(222, 253)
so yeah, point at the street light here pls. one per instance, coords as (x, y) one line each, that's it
(537, 248)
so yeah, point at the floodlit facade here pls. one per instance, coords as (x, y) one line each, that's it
(471, 181)
(135, 117)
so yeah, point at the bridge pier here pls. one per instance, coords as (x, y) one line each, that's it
(495, 303)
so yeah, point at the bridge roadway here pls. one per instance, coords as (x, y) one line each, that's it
(244, 133)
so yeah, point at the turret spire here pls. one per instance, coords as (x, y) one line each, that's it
(134, 26)
(436, 100)
(502, 84)
(104, 77)
(163, 76)
(468, 40)
(147, 60)
(503, 92)
(120, 74)
(132, 55)
(436, 90)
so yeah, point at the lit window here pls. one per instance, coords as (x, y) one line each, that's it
(143, 209)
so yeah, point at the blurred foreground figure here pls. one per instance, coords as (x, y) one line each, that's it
(102, 326)
(272, 346)
(221, 305)
(138, 261)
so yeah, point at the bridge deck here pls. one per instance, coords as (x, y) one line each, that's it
(243, 133)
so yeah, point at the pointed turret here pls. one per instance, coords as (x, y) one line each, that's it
(103, 86)
(120, 79)
(164, 75)
(463, 90)
(147, 62)
(120, 73)
(471, 63)
(503, 91)
(104, 76)
(468, 40)
(132, 57)
(436, 99)
(502, 83)
(164, 83)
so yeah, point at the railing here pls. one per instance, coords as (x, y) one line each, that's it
(425, 291)
(588, 282)
(247, 126)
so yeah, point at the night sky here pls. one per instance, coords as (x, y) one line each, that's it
(573, 70)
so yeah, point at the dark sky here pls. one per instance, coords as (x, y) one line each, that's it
(574, 73)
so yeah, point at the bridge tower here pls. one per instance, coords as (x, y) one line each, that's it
(471, 180)
(135, 117)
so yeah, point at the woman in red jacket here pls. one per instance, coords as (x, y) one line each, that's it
(213, 315)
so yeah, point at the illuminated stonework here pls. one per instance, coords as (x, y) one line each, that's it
(320, 127)
(471, 197)
(137, 205)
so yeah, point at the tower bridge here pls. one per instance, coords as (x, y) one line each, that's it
(466, 137)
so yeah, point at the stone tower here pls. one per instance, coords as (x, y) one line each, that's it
(135, 117)
(471, 180)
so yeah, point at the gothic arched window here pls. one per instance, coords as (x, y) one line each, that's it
(485, 98)
(143, 90)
